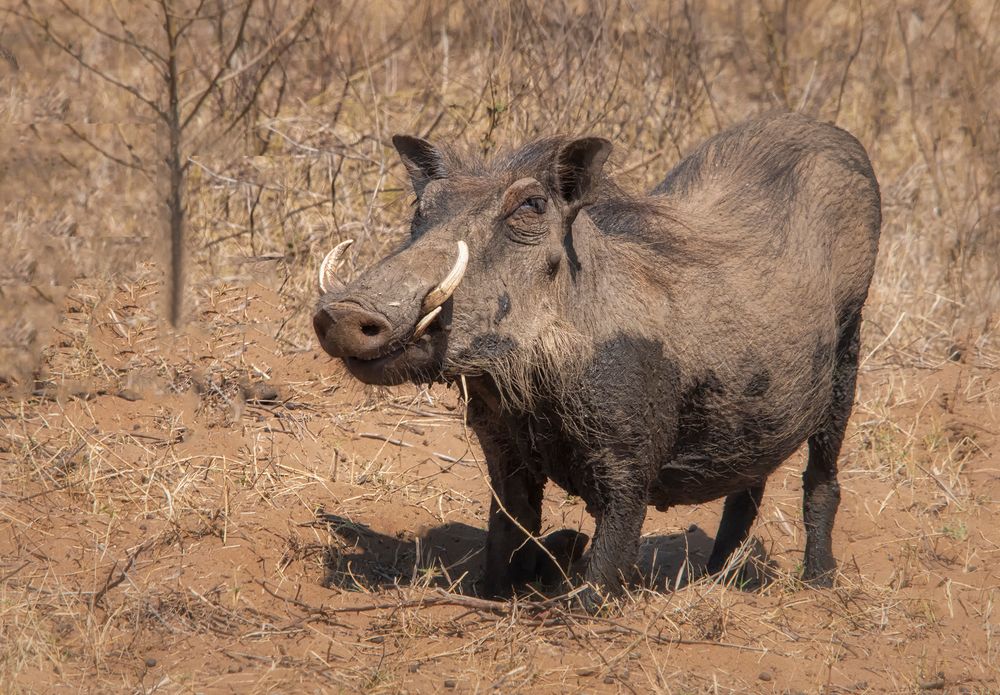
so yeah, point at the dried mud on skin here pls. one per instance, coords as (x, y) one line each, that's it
(201, 512)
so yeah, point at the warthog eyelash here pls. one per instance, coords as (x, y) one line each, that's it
(539, 206)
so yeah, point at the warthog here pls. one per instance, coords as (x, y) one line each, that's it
(660, 349)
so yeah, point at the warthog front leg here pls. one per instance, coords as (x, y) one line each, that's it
(620, 513)
(515, 521)
(515, 516)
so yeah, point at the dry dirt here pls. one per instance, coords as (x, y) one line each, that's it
(204, 513)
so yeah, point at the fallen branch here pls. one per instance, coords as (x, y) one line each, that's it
(440, 598)
(556, 605)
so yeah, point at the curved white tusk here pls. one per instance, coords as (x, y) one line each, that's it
(440, 294)
(328, 279)
(424, 323)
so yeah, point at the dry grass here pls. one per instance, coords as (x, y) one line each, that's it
(219, 508)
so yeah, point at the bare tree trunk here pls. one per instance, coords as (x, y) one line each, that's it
(175, 167)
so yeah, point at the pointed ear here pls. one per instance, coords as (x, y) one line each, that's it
(423, 161)
(578, 168)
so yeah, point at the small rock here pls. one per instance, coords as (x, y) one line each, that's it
(692, 528)
(150, 662)
(586, 671)
(608, 680)
(377, 639)
(414, 667)
(450, 683)
(129, 395)
(260, 393)
(765, 676)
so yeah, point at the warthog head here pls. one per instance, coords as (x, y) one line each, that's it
(484, 276)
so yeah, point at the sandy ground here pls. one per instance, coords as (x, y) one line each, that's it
(203, 513)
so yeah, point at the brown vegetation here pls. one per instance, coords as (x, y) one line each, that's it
(217, 507)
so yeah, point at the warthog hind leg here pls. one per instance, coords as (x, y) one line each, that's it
(821, 492)
(738, 516)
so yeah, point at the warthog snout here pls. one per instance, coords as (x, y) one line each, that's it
(348, 330)
(386, 335)
(389, 325)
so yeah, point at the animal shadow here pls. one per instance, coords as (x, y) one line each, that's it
(670, 562)
(451, 556)
(362, 558)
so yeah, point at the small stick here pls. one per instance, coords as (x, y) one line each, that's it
(383, 438)
(944, 488)
(405, 445)
(110, 583)
(440, 598)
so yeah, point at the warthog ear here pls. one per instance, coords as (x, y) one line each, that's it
(578, 167)
(423, 161)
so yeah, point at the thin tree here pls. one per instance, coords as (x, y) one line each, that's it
(204, 70)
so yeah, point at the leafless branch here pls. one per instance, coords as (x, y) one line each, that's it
(65, 46)
(100, 150)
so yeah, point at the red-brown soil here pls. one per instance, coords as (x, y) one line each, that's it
(204, 513)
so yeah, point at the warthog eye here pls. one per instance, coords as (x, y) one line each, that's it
(535, 203)
(525, 221)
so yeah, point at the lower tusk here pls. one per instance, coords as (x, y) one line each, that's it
(424, 323)
(328, 280)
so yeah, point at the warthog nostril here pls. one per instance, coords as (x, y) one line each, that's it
(347, 330)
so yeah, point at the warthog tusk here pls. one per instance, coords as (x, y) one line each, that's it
(328, 279)
(424, 323)
(440, 294)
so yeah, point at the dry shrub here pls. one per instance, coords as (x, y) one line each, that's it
(307, 161)
(911, 80)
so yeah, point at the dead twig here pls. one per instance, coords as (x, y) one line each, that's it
(111, 581)
(384, 438)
